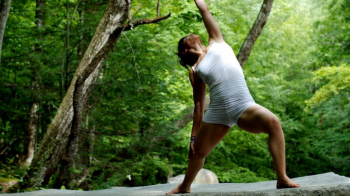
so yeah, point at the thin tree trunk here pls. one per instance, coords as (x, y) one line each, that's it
(254, 33)
(30, 140)
(5, 9)
(68, 115)
(33, 122)
(66, 82)
(40, 13)
(158, 8)
(82, 38)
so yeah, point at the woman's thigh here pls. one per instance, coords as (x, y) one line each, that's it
(257, 119)
(208, 136)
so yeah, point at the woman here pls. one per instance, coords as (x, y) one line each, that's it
(230, 102)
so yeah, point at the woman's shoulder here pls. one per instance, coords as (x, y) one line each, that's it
(218, 41)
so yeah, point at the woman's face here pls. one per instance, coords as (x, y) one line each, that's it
(191, 40)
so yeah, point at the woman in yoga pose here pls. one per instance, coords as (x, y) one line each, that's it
(230, 102)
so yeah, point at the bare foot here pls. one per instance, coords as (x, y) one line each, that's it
(179, 189)
(286, 183)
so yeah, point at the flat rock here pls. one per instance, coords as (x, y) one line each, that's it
(320, 185)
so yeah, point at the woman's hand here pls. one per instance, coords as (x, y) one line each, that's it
(191, 151)
(209, 22)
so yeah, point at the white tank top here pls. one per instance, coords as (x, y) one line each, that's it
(229, 93)
(219, 65)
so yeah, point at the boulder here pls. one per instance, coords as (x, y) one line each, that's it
(7, 183)
(204, 176)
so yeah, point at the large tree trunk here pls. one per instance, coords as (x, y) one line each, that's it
(68, 115)
(255, 31)
(4, 9)
(33, 122)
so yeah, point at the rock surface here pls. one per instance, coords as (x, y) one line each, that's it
(316, 185)
(204, 176)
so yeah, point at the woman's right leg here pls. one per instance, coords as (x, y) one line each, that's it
(208, 136)
(257, 119)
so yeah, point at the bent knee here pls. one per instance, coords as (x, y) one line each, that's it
(272, 124)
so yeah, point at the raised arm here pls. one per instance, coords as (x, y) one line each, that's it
(209, 22)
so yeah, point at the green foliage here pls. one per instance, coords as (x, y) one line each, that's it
(337, 79)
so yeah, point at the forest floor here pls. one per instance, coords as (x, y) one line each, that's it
(322, 184)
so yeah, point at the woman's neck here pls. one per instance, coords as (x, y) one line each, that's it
(202, 53)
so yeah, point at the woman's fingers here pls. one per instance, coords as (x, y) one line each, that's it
(191, 151)
(192, 148)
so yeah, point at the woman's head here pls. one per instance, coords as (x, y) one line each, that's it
(186, 50)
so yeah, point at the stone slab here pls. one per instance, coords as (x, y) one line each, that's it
(320, 185)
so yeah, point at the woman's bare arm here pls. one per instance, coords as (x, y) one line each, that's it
(209, 22)
(199, 91)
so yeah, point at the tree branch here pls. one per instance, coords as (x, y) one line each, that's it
(131, 26)
(254, 32)
(5, 148)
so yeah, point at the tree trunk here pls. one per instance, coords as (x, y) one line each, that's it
(30, 140)
(83, 42)
(81, 161)
(68, 115)
(255, 31)
(158, 8)
(66, 81)
(40, 13)
(5, 9)
(33, 122)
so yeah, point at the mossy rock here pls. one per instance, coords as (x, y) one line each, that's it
(6, 183)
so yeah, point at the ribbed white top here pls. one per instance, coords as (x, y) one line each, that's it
(229, 94)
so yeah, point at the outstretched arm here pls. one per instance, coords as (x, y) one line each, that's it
(209, 22)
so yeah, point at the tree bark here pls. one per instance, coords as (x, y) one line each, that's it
(68, 115)
(5, 9)
(254, 33)
(33, 121)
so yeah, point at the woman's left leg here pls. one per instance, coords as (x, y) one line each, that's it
(257, 119)
(208, 136)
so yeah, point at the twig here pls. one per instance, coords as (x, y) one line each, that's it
(137, 71)
(75, 10)
(158, 8)
(3, 151)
